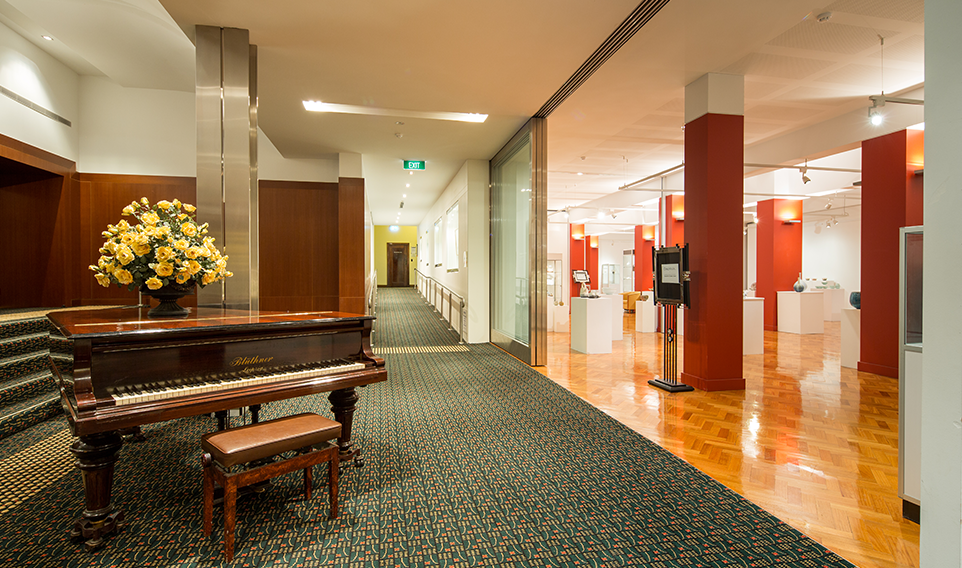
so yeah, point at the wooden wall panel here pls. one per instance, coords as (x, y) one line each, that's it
(31, 270)
(102, 200)
(298, 246)
(350, 227)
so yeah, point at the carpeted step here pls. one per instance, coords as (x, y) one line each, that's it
(18, 327)
(25, 387)
(59, 344)
(28, 412)
(21, 365)
(24, 344)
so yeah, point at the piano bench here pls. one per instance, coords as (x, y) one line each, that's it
(253, 442)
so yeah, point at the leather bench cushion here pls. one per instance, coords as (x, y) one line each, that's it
(265, 439)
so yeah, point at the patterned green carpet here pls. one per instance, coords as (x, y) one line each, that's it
(473, 459)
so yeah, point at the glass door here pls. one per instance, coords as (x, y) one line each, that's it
(519, 246)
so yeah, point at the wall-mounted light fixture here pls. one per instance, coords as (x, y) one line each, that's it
(578, 232)
(593, 242)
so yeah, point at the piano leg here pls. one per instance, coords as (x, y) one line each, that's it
(96, 455)
(343, 402)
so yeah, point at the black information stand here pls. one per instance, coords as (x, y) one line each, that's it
(671, 289)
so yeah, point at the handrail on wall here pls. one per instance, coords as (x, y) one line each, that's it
(432, 291)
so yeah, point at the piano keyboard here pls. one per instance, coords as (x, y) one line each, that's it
(146, 393)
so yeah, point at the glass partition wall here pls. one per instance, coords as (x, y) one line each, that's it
(519, 234)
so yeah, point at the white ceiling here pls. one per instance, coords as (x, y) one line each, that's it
(504, 58)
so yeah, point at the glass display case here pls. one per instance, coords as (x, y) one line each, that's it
(910, 371)
(555, 282)
(609, 277)
(628, 269)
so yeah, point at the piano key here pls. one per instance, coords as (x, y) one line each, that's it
(125, 395)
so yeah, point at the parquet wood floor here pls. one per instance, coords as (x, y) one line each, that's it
(811, 442)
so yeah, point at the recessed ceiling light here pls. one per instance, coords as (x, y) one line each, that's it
(407, 185)
(404, 195)
(411, 173)
(46, 37)
(318, 106)
(581, 173)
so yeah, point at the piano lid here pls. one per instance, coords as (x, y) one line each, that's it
(94, 323)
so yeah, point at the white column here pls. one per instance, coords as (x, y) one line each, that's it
(941, 536)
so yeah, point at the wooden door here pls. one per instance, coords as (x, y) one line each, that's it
(397, 264)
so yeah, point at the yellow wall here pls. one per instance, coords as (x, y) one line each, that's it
(383, 236)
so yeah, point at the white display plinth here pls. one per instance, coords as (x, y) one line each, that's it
(851, 337)
(560, 318)
(801, 312)
(591, 325)
(834, 300)
(646, 316)
(753, 326)
(617, 316)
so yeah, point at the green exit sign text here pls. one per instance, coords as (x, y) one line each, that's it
(414, 164)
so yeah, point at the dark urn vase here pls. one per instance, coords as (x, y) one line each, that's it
(168, 296)
(855, 298)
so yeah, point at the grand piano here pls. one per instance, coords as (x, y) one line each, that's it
(130, 370)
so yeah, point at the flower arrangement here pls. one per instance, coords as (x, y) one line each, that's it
(167, 246)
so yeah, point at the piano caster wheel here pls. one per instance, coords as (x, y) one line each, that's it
(134, 435)
(358, 461)
(95, 532)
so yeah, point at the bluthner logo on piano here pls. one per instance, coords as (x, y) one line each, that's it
(255, 360)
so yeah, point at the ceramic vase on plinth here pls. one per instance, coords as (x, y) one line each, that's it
(799, 284)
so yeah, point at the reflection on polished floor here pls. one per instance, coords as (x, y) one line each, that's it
(812, 443)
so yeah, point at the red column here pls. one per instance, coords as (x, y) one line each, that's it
(714, 153)
(675, 220)
(576, 252)
(778, 253)
(644, 243)
(891, 198)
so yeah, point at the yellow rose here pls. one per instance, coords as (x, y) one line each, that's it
(182, 216)
(154, 283)
(182, 245)
(124, 256)
(194, 252)
(140, 249)
(122, 226)
(127, 238)
(221, 264)
(150, 218)
(164, 269)
(228, 274)
(103, 280)
(111, 247)
(144, 201)
(193, 267)
(128, 210)
(164, 204)
(207, 279)
(182, 277)
(123, 276)
(190, 208)
(165, 253)
(177, 203)
(189, 229)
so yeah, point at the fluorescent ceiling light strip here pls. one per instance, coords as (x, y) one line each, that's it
(318, 106)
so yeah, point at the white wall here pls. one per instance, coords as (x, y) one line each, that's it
(941, 537)
(136, 131)
(273, 166)
(469, 189)
(834, 253)
(33, 74)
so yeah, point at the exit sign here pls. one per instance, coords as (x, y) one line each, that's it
(414, 164)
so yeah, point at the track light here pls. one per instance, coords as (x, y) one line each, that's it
(875, 116)
(804, 170)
